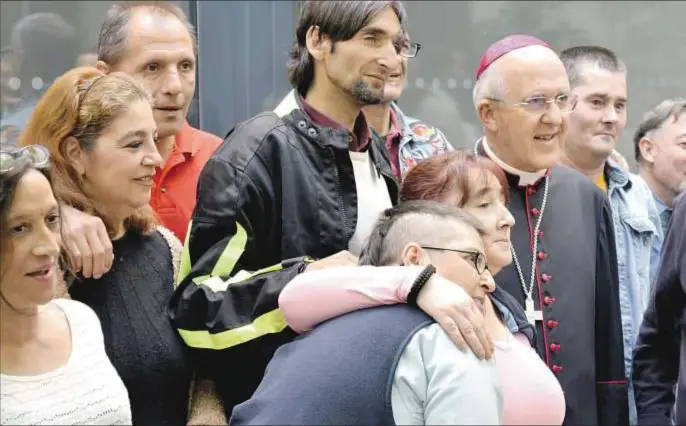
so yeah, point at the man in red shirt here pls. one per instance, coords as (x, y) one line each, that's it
(154, 42)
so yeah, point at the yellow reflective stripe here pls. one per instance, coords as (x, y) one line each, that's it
(185, 264)
(232, 252)
(269, 323)
(226, 262)
(272, 268)
(218, 284)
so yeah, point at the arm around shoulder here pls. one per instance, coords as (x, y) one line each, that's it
(320, 295)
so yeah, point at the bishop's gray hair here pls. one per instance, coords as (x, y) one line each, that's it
(426, 222)
(490, 85)
(114, 33)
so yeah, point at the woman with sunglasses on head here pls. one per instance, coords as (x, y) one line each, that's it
(101, 134)
(531, 393)
(53, 365)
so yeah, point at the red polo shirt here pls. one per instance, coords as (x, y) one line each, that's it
(361, 135)
(175, 185)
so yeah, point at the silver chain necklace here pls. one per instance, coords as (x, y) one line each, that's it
(531, 314)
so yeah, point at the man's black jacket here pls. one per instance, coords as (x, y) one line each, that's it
(277, 188)
(659, 362)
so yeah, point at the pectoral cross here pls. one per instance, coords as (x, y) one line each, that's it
(532, 315)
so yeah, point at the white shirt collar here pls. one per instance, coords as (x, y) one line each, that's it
(525, 178)
(288, 104)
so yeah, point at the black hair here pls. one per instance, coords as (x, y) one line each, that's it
(338, 20)
(8, 188)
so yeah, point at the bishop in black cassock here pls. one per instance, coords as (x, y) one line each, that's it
(564, 270)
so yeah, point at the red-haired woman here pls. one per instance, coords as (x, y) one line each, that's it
(531, 393)
(101, 135)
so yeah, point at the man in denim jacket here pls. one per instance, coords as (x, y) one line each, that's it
(408, 140)
(598, 82)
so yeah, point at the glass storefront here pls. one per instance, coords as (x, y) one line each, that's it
(244, 47)
(41, 40)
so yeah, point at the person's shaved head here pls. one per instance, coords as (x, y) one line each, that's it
(428, 222)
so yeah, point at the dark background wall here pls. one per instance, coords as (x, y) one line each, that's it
(243, 51)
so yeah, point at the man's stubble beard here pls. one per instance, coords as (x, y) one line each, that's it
(365, 95)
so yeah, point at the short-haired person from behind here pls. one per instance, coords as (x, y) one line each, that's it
(476, 185)
(101, 134)
(53, 365)
(389, 364)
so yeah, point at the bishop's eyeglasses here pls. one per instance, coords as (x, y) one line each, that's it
(540, 104)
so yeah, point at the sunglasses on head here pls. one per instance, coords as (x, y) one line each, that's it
(36, 155)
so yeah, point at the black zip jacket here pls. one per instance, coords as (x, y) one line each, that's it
(660, 353)
(277, 188)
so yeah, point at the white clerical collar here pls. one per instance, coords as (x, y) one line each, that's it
(525, 178)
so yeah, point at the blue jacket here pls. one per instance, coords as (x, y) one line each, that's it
(419, 141)
(311, 381)
(637, 231)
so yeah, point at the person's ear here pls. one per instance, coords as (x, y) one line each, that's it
(486, 112)
(414, 254)
(103, 67)
(317, 44)
(74, 155)
(648, 149)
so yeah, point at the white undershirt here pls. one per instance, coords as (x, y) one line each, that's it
(372, 198)
(85, 390)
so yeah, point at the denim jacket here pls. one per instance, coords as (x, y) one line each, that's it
(637, 229)
(657, 244)
(419, 141)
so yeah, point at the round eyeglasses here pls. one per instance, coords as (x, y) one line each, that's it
(476, 257)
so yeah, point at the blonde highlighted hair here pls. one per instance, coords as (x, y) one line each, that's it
(81, 104)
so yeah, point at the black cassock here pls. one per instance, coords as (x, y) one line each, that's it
(577, 286)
